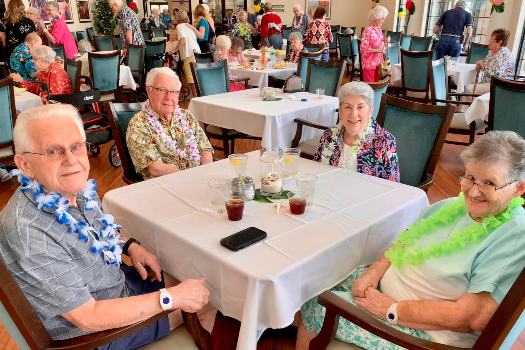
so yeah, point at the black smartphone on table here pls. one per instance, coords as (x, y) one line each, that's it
(243, 239)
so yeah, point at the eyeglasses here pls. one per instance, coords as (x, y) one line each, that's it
(59, 153)
(165, 91)
(485, 187)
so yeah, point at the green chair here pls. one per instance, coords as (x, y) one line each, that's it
(312, 47)
(104, 69)
(121, 114)
(59, 50)
(74, 69)
(477, 52)
(379, 88)
(393, 52)
(416, 72)
(356, 48)
(81, 35)
(395, 37)
(346, 51)
(212, 79)
(104, 43)
(91, 34)
(303, 63)
(203, 57)
(506, 106)
(332, 46)
(153, 49)
(117, 42)
(286, 30)
(325, 75)
(420, 43)
(135, 62)
(405, 41)
(74, 35)
(7, 121)
(146, 35)
(420, 130)
(158, 33)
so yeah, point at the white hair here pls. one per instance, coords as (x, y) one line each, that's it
(84, 46)
(295, 36)
(206, 8)
(119, 3)
(34, 11)
(44, 53)
(152, 75)
(461, 3)
(224, 42)
(377, 13)
(24, 140)
(53, 4)
(32, 37)
(356, 88)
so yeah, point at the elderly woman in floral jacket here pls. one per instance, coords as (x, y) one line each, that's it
(358, 143)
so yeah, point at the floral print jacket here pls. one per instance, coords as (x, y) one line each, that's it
(56, 79)
(377, 155)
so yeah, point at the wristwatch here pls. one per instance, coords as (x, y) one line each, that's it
(128, 243)
(391, 314)
(166, 301)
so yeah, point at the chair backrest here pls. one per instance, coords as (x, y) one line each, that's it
(420, 131)
(395, 37)
(74, 35)
(104, 69)
(7, 113)
(345, 46)
(158, 33)
(312, 47)
(104, 43)
(325, 75)
(506, 106)
(335, 28)
(416, 70)
(439, 82)
(59, 50)
(146, 35)
(91, 34)
(121, 114)
(153, 48)
(210, 78)
(405, 41)
(81, 35)
(286, 30)
(117, 42)
(74, 69)
(203, 57)
(379, 88)
(420, 43)
(333, 44)
(477, 52)
(393, 53)
(135, 61)
(303, 63)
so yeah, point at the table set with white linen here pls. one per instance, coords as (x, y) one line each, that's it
(25, 100)
(479, 109)
(352, 219)
(245, 111)
(259, 77)
(125, 77)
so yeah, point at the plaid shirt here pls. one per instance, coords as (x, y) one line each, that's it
(127, 20)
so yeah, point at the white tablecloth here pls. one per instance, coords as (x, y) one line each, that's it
(353, 219)
(260, 77)
(125, 77)
(479, 109)
(245, 111)
(25, 100)
(462, 74)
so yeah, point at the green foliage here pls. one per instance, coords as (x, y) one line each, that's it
(103, 19)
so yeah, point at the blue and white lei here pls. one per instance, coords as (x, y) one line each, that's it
(105, 242)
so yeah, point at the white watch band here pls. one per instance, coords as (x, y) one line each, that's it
(391, 314)
(166, 301)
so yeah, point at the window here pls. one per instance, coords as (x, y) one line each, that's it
(520, 61)
(479, 9)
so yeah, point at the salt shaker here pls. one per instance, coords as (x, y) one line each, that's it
(248, 188)
(237, 187)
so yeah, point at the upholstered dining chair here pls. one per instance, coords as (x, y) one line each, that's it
(135, 62)
(312, 47)
(379, 88)
(81, 35)
(146, 35)
(334, 44)
(158, 33)
(203, 57)
(104, 43)
(477, 52)
(506, 106)
(346, 51)
(416, 72)
(420, 43)
(393, 53)
(304, 61)
(492, 337)
(405, 41)
(7, 121)
(91, 34)
(212, 79)
(104, 69)
(395, 37)
(420, 130)
(74, 69)
(325, 75)
(59, 50)
(154, 48)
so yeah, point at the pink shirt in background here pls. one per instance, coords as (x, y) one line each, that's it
(63, 36)
(372, 38)
(236, 58)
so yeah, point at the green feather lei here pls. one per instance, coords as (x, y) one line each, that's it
(403, 250)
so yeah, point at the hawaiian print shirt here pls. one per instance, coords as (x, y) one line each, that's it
(56, 79)
(293, 56)
(16, 32)
(499, 64)
(319, 32)
(145, 144)
(372, 38)
(300, 23)
(127, 20)
(377, 155)
(21, 62)
(243, 31)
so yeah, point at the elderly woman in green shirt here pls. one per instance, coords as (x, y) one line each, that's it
(163, 138)
(444, 277)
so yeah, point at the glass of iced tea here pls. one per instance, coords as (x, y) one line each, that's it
(297, 202)
(235, 208)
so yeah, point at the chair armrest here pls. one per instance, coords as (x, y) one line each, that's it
(463, 95)
(466, 103)
(93, 340)
(336, 306)
(299, 130)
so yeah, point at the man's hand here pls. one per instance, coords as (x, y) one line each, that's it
(368, 279)
(142, 260)
(375, 302)
(190, 295)
(17, 78)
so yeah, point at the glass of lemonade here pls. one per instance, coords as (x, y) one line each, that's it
(291, 162)
(239, 163)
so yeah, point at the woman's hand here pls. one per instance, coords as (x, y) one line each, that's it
(480, 65)
(369, 279)
(17, 78)
(375, 302)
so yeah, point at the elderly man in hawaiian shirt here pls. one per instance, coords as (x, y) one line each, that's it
(65, 253)
(163, 138)
(130, 32)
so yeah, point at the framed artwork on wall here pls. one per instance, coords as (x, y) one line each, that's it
(64, 6)
(311, 5)
(83, 11)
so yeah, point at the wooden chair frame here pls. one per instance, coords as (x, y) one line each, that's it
(447, 111)
(203, 55)
(78, 77)
(151, 43)
(339, 63)
(404, 88)
(9, 160)
(509, 84)
(492, 337)
(306, 54)
(422, 38)
(117, 91)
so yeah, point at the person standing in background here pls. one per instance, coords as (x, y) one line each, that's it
(451, 26)
(271, 28)
(300, 20)
(166, 18)
(58, 32)
(319, 32)
(130, 32)
(15, 26)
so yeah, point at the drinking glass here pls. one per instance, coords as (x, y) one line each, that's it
(290, 161)
(319, 92)
(305, 183)
(297, 202)
(271, 171)
(220, 190)
(234, 208)
(239, 163)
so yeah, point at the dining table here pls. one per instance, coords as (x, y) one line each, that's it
(259, 76)
(273, 121)
(25, 100)
(478, 109)
(350, 221)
